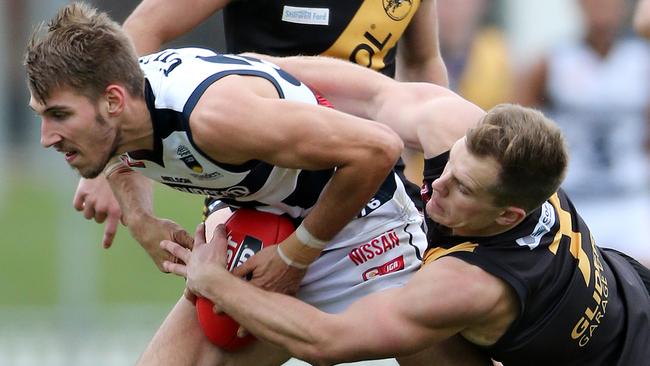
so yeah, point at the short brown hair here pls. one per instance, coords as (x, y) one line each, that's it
(530, 150)
(84, 50)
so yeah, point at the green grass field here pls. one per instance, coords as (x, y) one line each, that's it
(33, 238)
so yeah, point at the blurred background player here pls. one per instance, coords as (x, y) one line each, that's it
(642, 18)
(596, 88)
(362, 31)
(475, 52)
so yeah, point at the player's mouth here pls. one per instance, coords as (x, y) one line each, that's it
(70, 156)
(434, 207)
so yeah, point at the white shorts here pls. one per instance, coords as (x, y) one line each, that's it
(379, 251)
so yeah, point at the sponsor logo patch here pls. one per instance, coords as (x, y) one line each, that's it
(207, 176)
(544, 225)
(175, 179)
(395, 265)
(231, 192)
(190, 161)
(311, 16)
(237, 254)
(398, 9)
(374, 248)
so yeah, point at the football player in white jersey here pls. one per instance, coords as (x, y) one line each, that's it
(242, 131)
(268, 30)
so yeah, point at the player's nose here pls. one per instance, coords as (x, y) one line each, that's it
(440, 186)
(49, 135)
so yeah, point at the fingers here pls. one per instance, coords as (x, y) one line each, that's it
(88, 210)
(242, 332)
(175, 268)
(199, 234)
(220, 238)
(176, 250)
(109, 232)
(183, 238)
(216, 309)
(245, 269)
(78, 200)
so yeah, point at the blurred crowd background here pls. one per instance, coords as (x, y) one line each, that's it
(66, 301)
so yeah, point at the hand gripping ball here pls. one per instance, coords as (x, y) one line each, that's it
(248, 232)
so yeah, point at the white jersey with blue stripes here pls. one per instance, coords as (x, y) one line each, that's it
(379, 249)
(175, 81)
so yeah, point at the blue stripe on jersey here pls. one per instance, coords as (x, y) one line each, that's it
(165, 121)
(200, 89)
(309, 187)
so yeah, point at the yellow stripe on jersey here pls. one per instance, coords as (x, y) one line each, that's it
(373, 31)
(435, 253)
(575, 239)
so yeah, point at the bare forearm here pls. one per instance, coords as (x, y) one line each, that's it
(134, 192)
(433, 71)
(155, 22)
(345, 196)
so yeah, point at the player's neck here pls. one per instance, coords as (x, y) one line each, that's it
(136, 127)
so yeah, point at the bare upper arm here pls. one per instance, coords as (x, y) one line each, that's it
(240, 118)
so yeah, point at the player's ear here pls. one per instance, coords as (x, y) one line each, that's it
(115, 98)
(511, 215)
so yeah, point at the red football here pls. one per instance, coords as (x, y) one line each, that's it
(248, 232)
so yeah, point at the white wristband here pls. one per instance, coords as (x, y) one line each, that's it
(288, 261)
(113, 167)
(308, 239)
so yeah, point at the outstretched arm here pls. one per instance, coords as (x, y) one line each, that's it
(427, 117)
(385, 324)
(155, 22)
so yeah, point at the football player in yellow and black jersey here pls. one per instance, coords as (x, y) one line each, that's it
(362, 31)
(511, 266)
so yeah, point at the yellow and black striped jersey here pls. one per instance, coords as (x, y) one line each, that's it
(362, 31)
(579, 304)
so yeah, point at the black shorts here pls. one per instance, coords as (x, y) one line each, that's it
(642, 270)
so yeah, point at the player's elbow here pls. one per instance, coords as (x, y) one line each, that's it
(389, 149)
(314, 355)
(327, 344)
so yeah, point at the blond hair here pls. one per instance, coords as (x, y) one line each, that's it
(84, 50)
(530, 150)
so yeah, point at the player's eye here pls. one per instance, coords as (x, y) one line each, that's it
(462, 189)
(59, 115)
